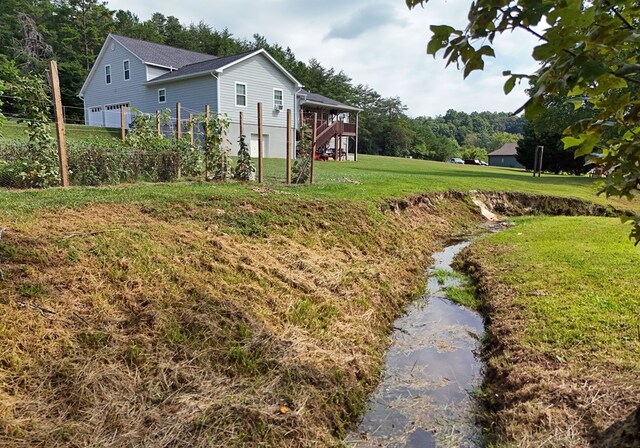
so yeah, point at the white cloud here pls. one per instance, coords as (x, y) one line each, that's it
(381, 44)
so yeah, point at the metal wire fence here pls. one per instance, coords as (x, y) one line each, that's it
(94, 164)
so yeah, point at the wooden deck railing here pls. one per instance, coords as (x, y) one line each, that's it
(325, 130)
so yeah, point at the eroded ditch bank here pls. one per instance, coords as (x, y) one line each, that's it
(227, 322)
(432, 392)
(425, 396)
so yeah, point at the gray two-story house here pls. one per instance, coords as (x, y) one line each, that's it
(132, 73)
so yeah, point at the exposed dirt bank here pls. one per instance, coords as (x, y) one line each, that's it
(219, 323)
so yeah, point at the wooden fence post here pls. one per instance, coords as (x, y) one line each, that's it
(60, 131)
(207, 116)
(540, 161)
(178, 123)
(313, 146)
(241, 123)
(289, 146)
(535, 161)
(260, 146)
(123, 123)
(158, 123)
(191, 133)
(178, 137)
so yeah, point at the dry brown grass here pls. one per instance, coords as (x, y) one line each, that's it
(193, 324)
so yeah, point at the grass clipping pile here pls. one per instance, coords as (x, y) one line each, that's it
(260, 321)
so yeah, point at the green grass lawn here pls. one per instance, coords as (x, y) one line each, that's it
(13, 131)
(371, 178)
(577, 281)
(563, 295)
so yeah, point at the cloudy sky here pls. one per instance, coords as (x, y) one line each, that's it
(376, 42)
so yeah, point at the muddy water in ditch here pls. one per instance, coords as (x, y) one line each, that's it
(424, 399)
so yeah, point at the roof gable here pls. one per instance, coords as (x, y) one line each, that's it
(508, 149)
(161, 55)
(219, 65)
(201, 67)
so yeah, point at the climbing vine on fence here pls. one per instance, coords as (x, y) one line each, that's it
(1, 103)
(216, 148)
(302, 165)
(34, 165)
(245, 170)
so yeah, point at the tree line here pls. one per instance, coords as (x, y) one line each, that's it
(73, 32)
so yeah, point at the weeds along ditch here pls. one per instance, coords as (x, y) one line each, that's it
(235, 320)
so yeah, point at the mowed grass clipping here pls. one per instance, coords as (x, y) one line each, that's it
(564, 300)
(371, 178)
(226, 322)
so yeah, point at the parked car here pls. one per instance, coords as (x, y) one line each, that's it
(456, 160)
(483, 163)
(472, 162)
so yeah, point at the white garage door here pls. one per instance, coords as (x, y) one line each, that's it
(112, 115)
(254, 145)
(96, 117)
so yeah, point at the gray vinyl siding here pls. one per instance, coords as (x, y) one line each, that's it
(505, 161)
(192, 93)
(261, 77)
(99, 93)
(153, 72)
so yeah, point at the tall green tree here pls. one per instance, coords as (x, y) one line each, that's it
(588, 52)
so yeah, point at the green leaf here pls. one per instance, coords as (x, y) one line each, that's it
(543, 52)
(570, 142)
(509, 85)
(435, 44)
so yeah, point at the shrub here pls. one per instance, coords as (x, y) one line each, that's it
(245, 171)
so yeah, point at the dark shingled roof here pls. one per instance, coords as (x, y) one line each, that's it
(202, 67)
(508, 149)
(325, 101)
(164, 55)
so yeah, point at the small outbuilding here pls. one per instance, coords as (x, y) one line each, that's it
(505, 156)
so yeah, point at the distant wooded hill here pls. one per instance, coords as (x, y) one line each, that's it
(73, 31)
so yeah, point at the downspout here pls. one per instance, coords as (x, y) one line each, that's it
(84, 108)
(217, 76)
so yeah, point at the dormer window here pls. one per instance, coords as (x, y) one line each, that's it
(107, 74)
(127, 72)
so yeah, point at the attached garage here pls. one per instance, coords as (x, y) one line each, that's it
(109, 115)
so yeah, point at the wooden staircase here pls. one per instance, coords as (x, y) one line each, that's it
(326, 131)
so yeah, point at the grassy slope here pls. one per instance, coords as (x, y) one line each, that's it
(13, 131)
(260, 295)
(192, 323)
(563, 296)
(377, 177)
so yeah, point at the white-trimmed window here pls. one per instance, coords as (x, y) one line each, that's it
(241, 94)
(278, 99)
(126, 70)
(162, 95)
(107, 74)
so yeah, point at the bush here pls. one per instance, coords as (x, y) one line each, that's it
(23, 166)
